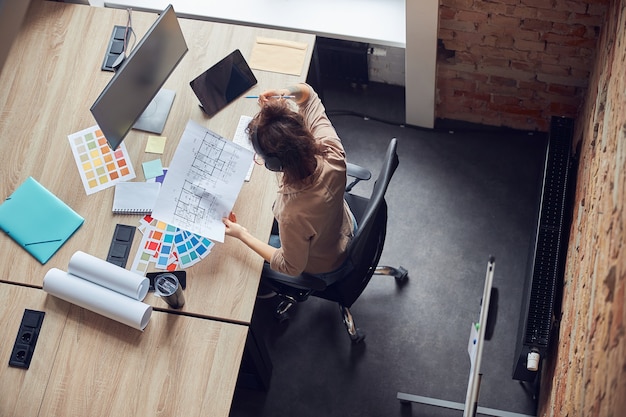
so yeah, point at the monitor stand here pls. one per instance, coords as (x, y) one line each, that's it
(154, 117)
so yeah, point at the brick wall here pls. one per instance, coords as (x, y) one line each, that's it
(586, 374)
(515, 63)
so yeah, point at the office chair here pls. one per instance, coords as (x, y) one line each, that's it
(363, 252)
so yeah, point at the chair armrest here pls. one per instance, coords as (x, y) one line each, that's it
(358, 173)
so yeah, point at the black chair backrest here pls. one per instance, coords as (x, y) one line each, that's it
(367, 245)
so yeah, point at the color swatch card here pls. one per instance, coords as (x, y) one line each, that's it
(99, 166)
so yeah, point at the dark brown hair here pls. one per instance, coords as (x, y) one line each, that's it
(279, 132)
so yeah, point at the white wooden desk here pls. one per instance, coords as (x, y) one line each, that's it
(380, 22)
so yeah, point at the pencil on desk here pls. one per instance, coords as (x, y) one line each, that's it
(272, 96)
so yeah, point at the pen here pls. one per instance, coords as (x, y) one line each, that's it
(272, 96)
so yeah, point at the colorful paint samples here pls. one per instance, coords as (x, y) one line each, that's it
(99, 166)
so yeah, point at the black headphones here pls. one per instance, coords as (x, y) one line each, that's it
(272, 162)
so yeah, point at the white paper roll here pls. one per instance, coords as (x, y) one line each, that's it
(96, 298)
(108, 275)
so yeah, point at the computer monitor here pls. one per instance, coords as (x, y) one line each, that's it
(133, 97)
(12, 14)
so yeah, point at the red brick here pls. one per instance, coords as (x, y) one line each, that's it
(458, 84)
(514, 54)
(506, 82)
(445, 34)
(537, 25)
(487, 29)
(470, 38)
(505, 100)
(569, 40)
(515, 110)
(454, 44)
(457, 26)
(465, 57)
(501, 21)
(562, 90)
(596, 9)
(473, 96)
(561, 50)
(538, 4)
(491, 7)
(458, 4)
(523, 45)
(541, 57)
(561, 109)
(573, 101)
(504, 42)
(559, 70)
(532, 87)
(446, 13)
(570, 29)
(587, 19)
(522, 12)
(528, 35)
(570, 6)
(554, 15)
(491, 40)
(578, 62)
(495, 62)
(471, 16)
(617, 330)
(524, 65)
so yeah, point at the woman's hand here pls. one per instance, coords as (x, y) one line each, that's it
(236, 230)
(298, 93)
(275, 94)
(233, 228)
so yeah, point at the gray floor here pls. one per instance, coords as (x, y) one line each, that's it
(460, 194)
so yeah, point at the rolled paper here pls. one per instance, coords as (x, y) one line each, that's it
(108, 275)
(96, 298)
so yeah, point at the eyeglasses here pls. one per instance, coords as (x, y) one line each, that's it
(258, 159)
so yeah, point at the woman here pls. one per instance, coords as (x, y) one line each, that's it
(314, 222)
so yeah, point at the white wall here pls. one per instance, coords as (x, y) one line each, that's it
(386, 65)
(422, 21)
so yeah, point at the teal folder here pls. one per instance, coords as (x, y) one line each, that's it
(38, 220)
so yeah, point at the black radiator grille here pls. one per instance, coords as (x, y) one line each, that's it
(549, 235)
(548, 249)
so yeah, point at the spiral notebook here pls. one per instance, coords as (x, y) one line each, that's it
(135, 197)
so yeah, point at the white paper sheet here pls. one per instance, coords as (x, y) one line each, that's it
(241, 139)
(107, 275)
(202, 182)
(96, 298)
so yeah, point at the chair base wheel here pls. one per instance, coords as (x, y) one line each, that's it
(281, 318)
(400, 273)
(281, 313)
(358, 337)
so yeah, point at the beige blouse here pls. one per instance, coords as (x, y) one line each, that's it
(314, 220)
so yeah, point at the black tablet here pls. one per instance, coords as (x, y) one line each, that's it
(223, 83)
